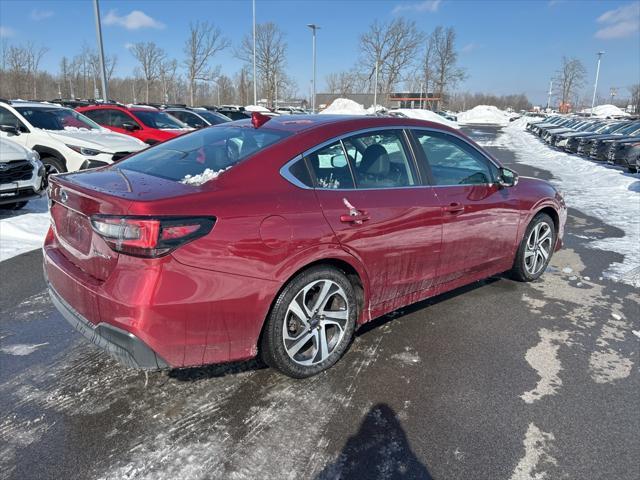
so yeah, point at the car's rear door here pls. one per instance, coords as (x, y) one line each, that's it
(380, 210)
(480, 219)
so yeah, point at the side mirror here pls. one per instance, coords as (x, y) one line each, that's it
(10, 129)
(507, 178)
(130, 127)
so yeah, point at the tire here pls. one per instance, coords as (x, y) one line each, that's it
(524, 269)
(13, 206)
(53, 165)
(292, 344)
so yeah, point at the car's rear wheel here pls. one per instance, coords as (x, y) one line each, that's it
(536, 249)
(311, 323)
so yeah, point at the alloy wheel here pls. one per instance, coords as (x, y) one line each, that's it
(538, 248)
(315, 322)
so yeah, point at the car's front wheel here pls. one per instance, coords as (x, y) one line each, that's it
(311, 323)
(536, 248)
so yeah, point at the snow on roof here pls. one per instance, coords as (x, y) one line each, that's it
(344, 106)
(428, 115)
(484, 115)
(256, 108)
(606, 111)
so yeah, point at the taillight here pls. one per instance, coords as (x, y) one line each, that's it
(149, 237)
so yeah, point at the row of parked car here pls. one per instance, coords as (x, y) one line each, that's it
(41, 138)
(614, 141)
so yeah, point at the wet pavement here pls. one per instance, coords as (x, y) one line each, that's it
(496, 380)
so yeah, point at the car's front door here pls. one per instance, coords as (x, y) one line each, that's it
(480, 219)
(118, 119)
(380, 211)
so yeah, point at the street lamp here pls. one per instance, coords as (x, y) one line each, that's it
(595, 87)
(255, 79)
(313, 27)
(103, 71)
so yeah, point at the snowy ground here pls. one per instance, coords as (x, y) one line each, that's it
(596, 189)
(23, 230)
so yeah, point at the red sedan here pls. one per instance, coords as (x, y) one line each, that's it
(279, 236)
(140, 121)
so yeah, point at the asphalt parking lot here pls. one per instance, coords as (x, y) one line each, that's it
(497, 380)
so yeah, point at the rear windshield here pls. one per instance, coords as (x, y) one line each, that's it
(202, 155)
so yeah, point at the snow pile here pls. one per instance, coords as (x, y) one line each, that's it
(484, 115)
(344, 106)
(425, 115)
(23, 230)
(375, 108)
(594, 189)
(606, 111)
(201, 178)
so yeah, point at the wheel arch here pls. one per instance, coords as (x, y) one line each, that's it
(45, 151)
(354, 272)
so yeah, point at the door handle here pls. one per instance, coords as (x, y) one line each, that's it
(359, 217)
(454, 208)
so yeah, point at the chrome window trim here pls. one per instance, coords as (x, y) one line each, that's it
(288, 176)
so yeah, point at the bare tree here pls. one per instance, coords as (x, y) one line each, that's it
(342, 83)
(33, 56)
(150, 57)
(17, 60)
(428, 68)
(167, 73)
(204, 42)
(447, 73)
(271, 56)
(393, 46)
(634, 101)
(569, 79)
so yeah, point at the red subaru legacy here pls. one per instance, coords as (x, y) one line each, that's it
(280, 236)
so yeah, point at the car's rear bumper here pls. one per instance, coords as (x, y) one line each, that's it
(120, 344)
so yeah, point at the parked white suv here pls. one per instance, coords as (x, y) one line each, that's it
(21, 175)
(65, 139)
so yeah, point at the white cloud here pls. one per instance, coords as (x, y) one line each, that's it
(133, 21)
(620, 22)
(470, 47)
(6, 32)
(38, 15)
(423, 6)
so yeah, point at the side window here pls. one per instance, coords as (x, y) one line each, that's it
(101, 117)
(330, 168)
(117, 119)
(300, 172)
(9, 119)
(380, 160)
(453, 162)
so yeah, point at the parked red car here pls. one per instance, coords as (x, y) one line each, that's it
(280, 236)
(145, 123)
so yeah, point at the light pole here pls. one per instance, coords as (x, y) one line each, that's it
(255, 79)
(595, 87)
(103, 70)
(313, 27)
(549, 95)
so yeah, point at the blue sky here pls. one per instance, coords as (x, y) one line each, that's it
(505, 46)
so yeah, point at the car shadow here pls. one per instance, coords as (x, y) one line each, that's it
(379, 449)
(195, 374)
